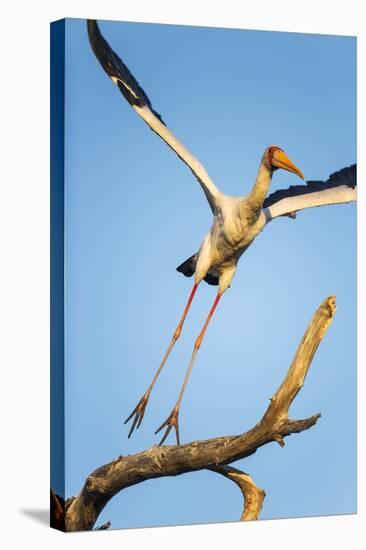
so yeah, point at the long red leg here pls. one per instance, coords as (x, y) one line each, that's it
(139, 411)
(172, 419)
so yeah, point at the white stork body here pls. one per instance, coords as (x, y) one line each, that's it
(237, 220)
(231, 233)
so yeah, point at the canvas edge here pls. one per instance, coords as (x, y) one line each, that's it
(57, 311)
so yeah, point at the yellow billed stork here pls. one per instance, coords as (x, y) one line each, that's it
(236, 220)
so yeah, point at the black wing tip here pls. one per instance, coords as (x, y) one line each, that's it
(345, 176)
(92, 24)
(93, 32)
(116, 69)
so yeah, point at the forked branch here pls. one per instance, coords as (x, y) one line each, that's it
(252, 494)
(213, 454)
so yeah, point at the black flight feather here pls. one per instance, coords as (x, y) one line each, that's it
(114, 67)
(345, 176)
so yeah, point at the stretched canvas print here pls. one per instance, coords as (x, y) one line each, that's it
(203, 293)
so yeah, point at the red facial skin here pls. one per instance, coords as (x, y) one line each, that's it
(271, 151)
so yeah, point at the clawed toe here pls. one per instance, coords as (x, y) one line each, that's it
(138, 412)
(171, 421)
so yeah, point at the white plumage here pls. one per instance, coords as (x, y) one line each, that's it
(236, 220)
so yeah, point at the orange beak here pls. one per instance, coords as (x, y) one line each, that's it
(281, 160)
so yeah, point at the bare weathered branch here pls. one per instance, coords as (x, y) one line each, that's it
(172, 460)
(252, 494)
(57, 511)
(294, 380)
(104, 526)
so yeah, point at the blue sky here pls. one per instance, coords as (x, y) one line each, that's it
(134, 212)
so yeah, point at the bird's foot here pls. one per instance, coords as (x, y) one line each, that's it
(138, 412)
(171, 421)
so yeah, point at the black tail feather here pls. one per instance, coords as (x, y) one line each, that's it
(189, 267)
(211, 279)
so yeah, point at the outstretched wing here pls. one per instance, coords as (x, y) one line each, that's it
(137, 98)
(340, 187)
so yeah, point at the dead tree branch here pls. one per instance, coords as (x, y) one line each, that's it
(252, 494)
(214, 454)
